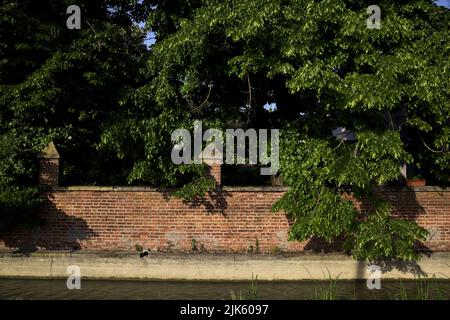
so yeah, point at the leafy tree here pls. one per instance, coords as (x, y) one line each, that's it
(60, 84)
(222, 61)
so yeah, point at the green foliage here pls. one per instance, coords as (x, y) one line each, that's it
(194, 247)
(145, 142)
(18, 197)
(196, 188)
(323, 54)
(319, 171)
(18, 206)
(380, 236)
(60, 84)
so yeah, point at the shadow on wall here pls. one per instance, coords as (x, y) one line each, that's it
(319, 245)
(56, 231)
(215, 202)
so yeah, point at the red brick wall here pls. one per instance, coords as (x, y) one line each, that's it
(120, 218)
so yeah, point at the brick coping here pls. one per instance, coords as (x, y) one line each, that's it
(234, 189)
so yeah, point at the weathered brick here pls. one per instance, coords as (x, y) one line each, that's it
(113, 220)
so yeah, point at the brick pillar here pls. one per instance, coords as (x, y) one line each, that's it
(214, 160)
(215, 172)
(49, 166)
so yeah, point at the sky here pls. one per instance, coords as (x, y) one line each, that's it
(445, 3)
(150, 38)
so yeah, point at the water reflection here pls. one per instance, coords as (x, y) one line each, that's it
(136, 290)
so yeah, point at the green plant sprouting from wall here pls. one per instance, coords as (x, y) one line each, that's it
(195, 189)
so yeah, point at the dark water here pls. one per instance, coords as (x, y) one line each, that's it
(137, 290)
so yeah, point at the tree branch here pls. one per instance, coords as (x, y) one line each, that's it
(426, 146)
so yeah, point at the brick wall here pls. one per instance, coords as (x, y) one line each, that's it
(232, 220)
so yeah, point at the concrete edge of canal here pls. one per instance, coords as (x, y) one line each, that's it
(220, 267)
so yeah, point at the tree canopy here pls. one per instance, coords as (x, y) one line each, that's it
(59, 84)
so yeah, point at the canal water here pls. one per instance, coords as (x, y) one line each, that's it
(273, 290)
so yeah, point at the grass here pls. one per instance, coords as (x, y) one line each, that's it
(419, 289)
(425, 290)
(329, 290)
(250, 294)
